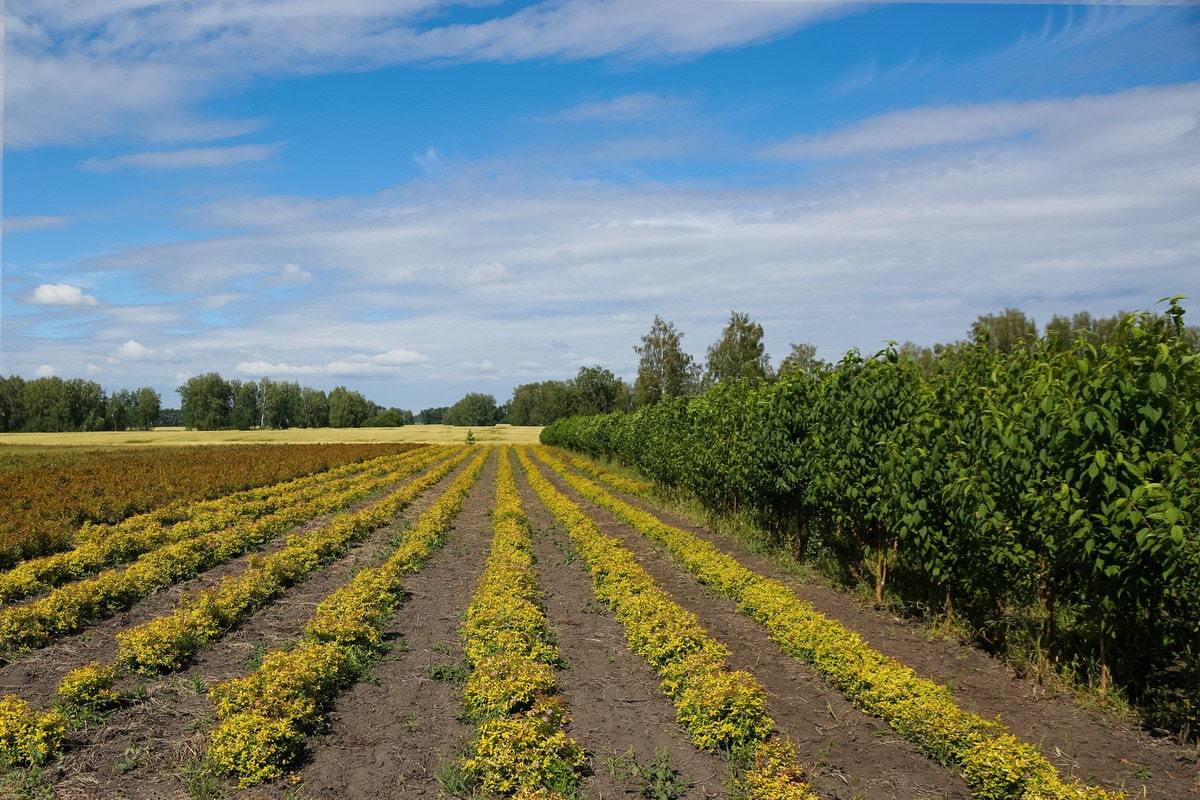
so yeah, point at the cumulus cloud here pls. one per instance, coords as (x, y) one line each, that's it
(61, 294)
(187, 158)
(134, 350)
(46, 371)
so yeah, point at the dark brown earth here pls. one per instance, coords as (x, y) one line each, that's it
(1078, 741)
(153, 748)
(615, 700)
(849, 754)
(391, 737)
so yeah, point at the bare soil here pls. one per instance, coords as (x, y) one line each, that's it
(392, 736)
(154, 748)
(616, 703)
(1078, 741)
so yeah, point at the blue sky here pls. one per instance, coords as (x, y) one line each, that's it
(419, 198)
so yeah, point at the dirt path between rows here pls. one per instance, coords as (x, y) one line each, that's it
(152, 749)
(391, 736)
(1077, 741)
(614, 697)
(850, 754)
(35, 674)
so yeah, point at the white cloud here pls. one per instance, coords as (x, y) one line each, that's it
(486, 273)
(1175, 110)
(1102, 216)
(188, 158)
(260, 367)
(355, 365)
(430, 161)
(222, 299)
(46, 371)
(62, 294)
(82, 70)
(33, 223)
(637, 105)
(290, 273)
(399, 357)
(134, 350)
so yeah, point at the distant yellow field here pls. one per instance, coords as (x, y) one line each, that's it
(434, 434)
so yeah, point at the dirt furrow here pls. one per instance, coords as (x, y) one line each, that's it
(392, 736)
(1078, 741)
(615, 700)
(851, 755)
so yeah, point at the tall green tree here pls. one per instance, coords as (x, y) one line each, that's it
(432, 416)
(802, 358)
(543, 402)
(146, 406)
(347, 409)
(1004, 332)
(205, 402)
(739, 354)
(12, 415)
(474, 409)
(313, 411)
(664, 369)
(244, 414)
(600, 391)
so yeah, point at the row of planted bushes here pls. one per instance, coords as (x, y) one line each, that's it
(521, 747)
(105, 546)
(722, 710)
(1050, 498)
(264, 717)
(72, 607)
(994, 763)
(168, 642)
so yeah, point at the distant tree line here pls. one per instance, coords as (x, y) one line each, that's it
(55, 404)
(210, 402)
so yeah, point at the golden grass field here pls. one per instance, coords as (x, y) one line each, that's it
(433, 434)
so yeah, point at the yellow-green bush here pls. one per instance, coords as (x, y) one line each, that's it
(520, 748)
(527, 754)
(89, 686)
(722, 710)
(995, 764)
(168, 642)
(27, 737)
(69, 608)
(633, 486)
(263, 717)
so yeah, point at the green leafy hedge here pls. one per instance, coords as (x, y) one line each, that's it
(1047, 494)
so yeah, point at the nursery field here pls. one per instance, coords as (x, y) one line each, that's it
(481, 620)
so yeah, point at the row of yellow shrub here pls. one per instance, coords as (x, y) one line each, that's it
(264, 717)
(166, 643)
(995, 764)
(633, 486)
(137, 535)
(70, 608)
(722, 710)
(520, 744)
